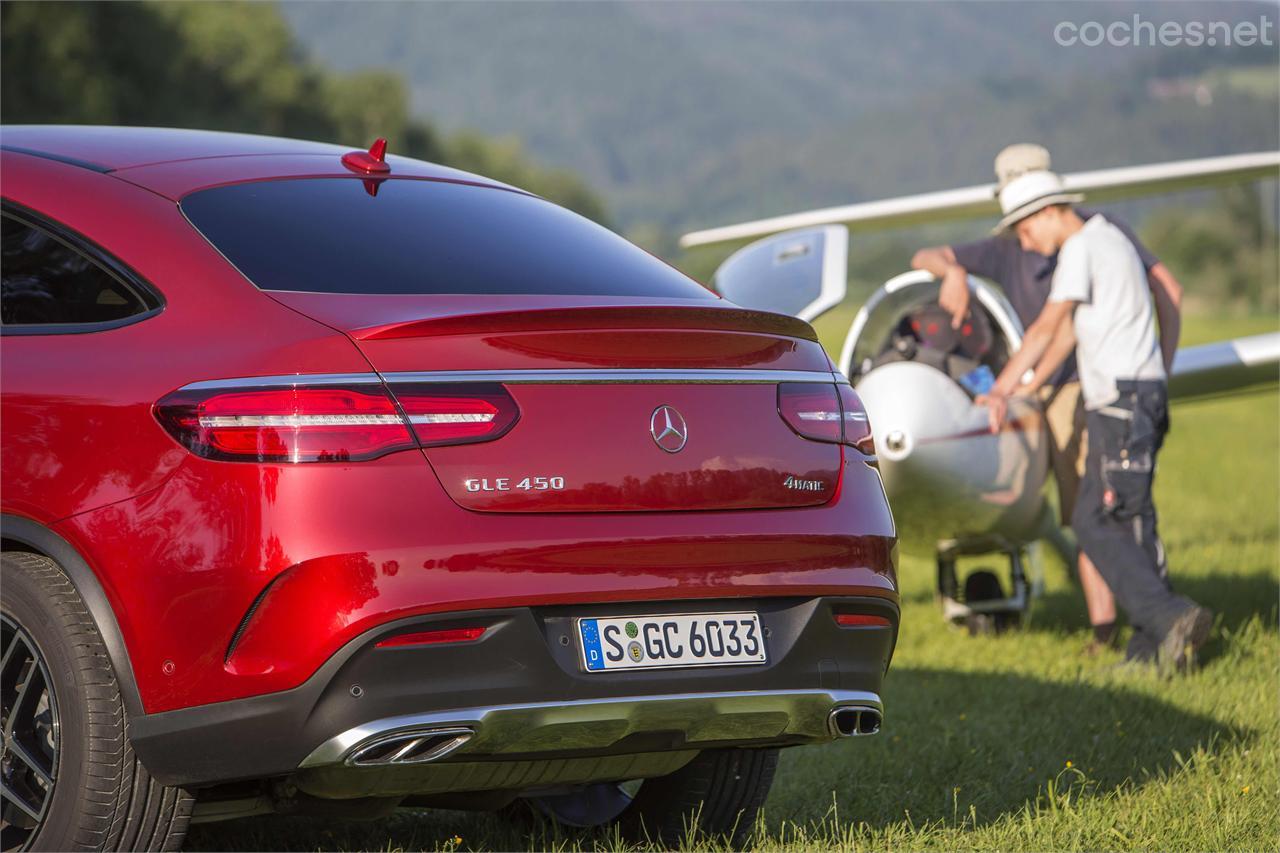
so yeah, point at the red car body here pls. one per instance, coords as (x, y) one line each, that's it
(217, 584)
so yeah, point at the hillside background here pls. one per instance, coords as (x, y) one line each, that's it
(689, 113)
(685, 115)
(657, 118)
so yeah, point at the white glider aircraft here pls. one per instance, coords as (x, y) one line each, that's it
(957, 489)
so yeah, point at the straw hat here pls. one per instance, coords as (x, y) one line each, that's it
(1031, 193)
(1018, 159)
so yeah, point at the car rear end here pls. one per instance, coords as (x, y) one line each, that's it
(578, 520)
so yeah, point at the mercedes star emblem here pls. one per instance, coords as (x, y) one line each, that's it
(668, 429)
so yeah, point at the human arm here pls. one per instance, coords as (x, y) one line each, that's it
(1166, 293)
(1072, 285)
(1045, 346)
(933, 260)
(1060, 349)
(988, 258)
(940, 261)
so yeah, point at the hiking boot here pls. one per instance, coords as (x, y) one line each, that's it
(1177, 652)
(1096, 648)
(1106, 637)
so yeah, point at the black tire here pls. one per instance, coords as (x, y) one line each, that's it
(982, 585)
(717, 794)
(102, 797)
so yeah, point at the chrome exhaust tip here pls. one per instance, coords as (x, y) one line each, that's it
(853, 721)
(413, 747)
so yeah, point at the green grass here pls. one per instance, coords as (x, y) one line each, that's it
(1020, 742)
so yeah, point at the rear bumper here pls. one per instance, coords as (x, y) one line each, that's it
(233, 581)
(521, 696)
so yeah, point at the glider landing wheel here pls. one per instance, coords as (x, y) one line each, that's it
(984, 585)
(980, 603)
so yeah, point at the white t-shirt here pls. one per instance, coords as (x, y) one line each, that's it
(1114, 322)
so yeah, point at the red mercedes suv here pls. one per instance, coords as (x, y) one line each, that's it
(335, 481)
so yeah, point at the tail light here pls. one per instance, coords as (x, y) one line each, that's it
(811, 409)
(457, 414)
(349, 423)
(825, 412)
(857, 426)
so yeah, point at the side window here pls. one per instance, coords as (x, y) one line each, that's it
(44, 282)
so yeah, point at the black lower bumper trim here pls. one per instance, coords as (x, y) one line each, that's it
(527, 656)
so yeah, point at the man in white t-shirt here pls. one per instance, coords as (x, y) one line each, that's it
(1100, 305)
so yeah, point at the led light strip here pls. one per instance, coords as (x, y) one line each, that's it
(297, 421)
(452, 418)
(830, 416)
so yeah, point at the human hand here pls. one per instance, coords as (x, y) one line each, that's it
(954, 295)
(997, 405)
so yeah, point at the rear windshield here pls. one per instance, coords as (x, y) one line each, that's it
(331, 235)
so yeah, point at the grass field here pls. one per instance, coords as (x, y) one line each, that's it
(1019, 741)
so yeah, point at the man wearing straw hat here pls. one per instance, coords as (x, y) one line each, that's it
(1100, 304)
(1025, 277)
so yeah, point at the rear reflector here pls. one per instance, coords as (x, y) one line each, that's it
(328, 423)
(425, 638)
(825, 412)
(861, 620)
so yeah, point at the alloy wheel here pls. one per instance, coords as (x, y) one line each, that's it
(29, 716)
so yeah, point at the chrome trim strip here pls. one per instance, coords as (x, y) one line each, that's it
(507, 728)
(614, 376)
(530, 377)
(286, 381)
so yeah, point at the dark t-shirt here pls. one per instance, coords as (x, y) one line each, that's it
(1026, 276)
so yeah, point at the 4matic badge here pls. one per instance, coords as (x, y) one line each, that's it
(804, 485)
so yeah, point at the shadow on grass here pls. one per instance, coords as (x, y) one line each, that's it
(951, 740)
(991, 741)
(1235, 598)
(406, 830)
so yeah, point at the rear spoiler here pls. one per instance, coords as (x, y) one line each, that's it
(726, 319)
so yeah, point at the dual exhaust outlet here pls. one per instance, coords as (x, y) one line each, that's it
(853, 721)
(410, 747)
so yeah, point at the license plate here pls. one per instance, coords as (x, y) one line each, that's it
(652, 642)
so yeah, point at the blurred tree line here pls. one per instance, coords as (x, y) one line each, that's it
(228, 66)
(1224, 253)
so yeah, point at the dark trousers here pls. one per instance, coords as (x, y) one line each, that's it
(1115, 517)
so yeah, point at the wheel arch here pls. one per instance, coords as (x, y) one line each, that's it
(23, 534)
